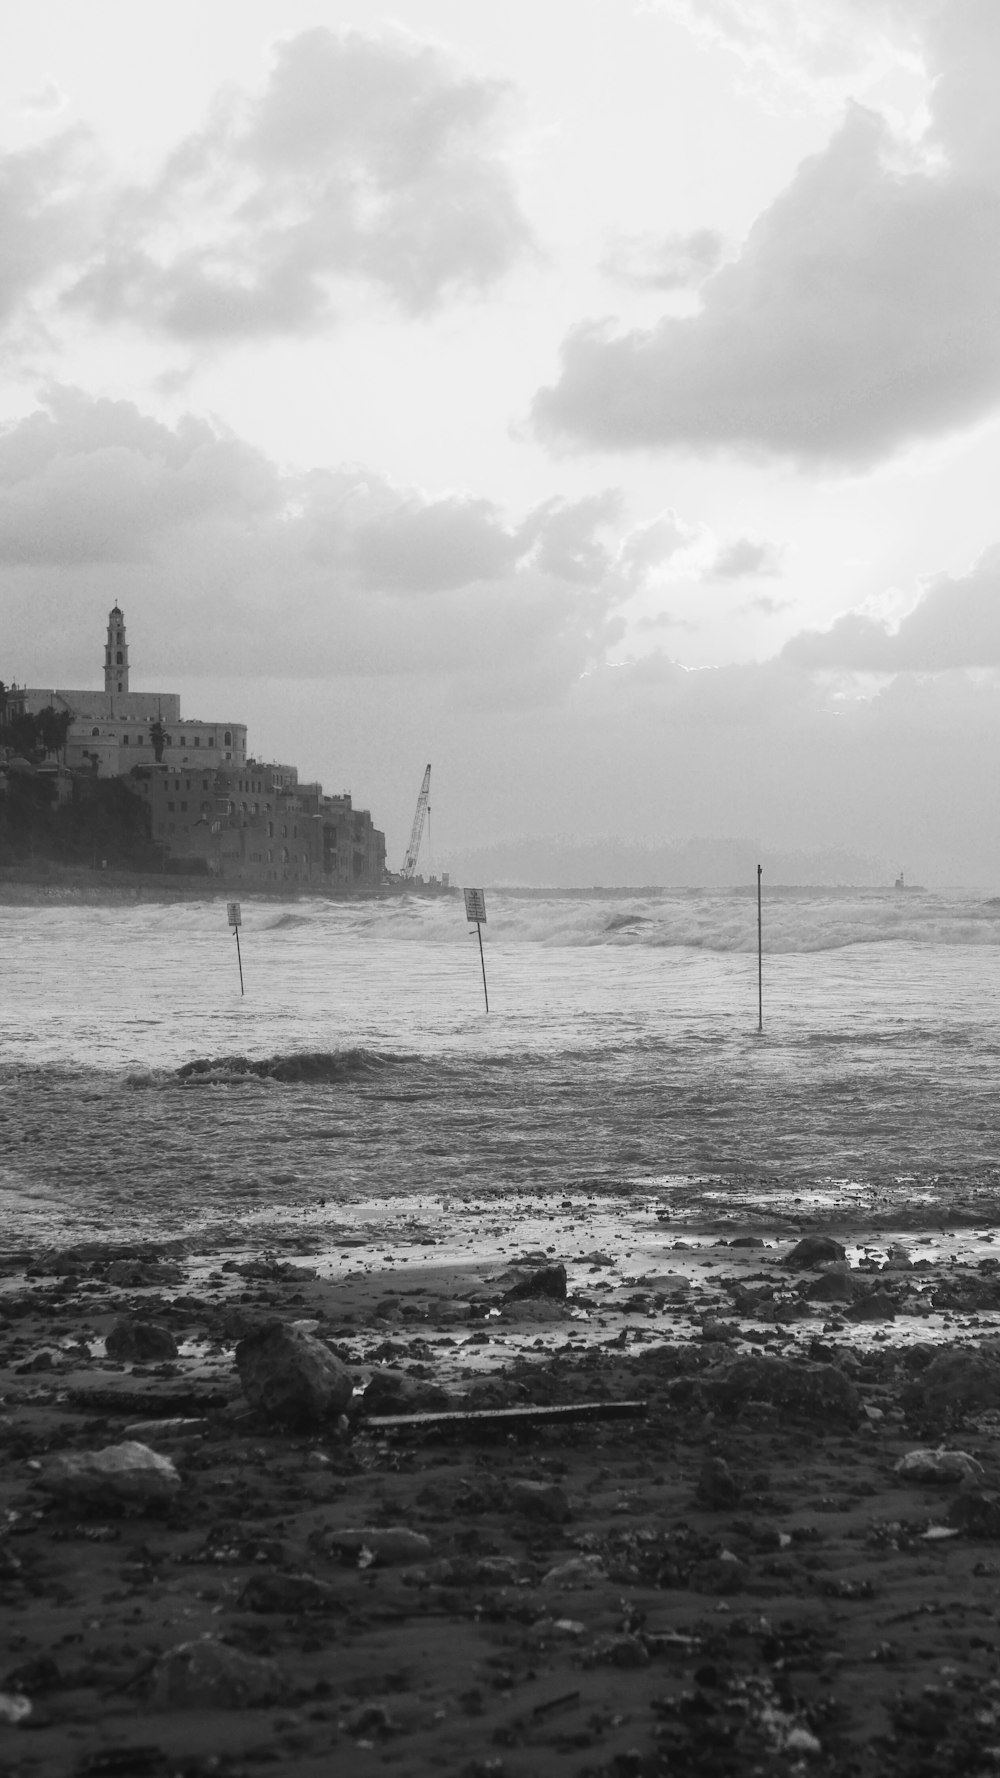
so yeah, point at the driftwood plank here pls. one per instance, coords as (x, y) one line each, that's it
(500, 1417)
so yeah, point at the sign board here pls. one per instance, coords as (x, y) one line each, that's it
(233, 914)
(475, 904)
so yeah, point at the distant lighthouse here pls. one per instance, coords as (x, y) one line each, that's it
(116, 653)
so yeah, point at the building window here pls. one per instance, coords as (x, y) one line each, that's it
(227, 739)
(170, 806)
(139, 739)
(124, 740)
(197, 740)
(95, 731)
(119, 658)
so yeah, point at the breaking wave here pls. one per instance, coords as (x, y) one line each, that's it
(329, 1067)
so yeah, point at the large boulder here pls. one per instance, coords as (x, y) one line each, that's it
(290, 1375)
(955, 1381)
(391, 1391)
(829, 1287)
(814, 1250)
(394, 1545)
(140, 1342)
(814, 1391)
(211, 1675)
(544, 1281)
(129, 1474)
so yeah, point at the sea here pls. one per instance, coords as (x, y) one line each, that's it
(143, 1094)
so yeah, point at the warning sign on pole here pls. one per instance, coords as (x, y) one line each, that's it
(475, 909)
(475, 905)
(234, 914)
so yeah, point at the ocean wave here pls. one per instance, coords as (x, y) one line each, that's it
(297, 1066)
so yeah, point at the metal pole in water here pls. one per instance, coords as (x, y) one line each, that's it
(760, 964)
(239, 959)
(482, 959)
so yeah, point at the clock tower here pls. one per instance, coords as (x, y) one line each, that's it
(116, 653)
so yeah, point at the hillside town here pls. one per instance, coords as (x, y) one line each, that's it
(202, 805)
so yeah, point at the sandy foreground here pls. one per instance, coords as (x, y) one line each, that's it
(730, 1577)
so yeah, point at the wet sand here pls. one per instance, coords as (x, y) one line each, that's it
(733, 1579)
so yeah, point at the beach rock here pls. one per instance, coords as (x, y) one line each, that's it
(292, 1376)
(140, 1342)
(129, 1474)
(953, 1382)
(292, 1593)
(717, 1486)
(816, 1391)
(814, 1250)
(829, 1287)
(541, 1308)
(211, 1675)
(540, 1500)
(574, 1575)
(545, 1281)
(671, 1286)
(139, 1273)
(939, 1466)
(14, 1708)
(976, 1511)
(394, 1545)
(747, 1241)
(391, 1391)
(898, 1258)
(878, 1306)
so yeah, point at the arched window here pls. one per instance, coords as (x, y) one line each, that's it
(119, 657)
(227, 739)
(95, 731)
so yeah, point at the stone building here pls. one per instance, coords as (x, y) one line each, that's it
(256, 823)
(109, 727)
(211, 806)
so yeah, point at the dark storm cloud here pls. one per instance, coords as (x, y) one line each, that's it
(861, 313)
(361, 158)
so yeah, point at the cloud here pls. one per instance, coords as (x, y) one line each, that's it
(678, 262)
(956, 624)
(365, 159)
(47, 214)
(45, 100)
(230, 564)
(744, 558)
(860, 315)
(824, 48)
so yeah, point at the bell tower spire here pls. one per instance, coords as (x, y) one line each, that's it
(116, 653)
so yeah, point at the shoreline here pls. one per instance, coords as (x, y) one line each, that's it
(23, 888)
(734, 1576)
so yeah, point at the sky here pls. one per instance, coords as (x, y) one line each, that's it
(597, 399)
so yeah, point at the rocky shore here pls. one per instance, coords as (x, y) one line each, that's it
(698, 1498)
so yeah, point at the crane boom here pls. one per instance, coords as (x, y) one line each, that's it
(417, 830)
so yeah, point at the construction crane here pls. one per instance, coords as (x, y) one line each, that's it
(417, 831)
